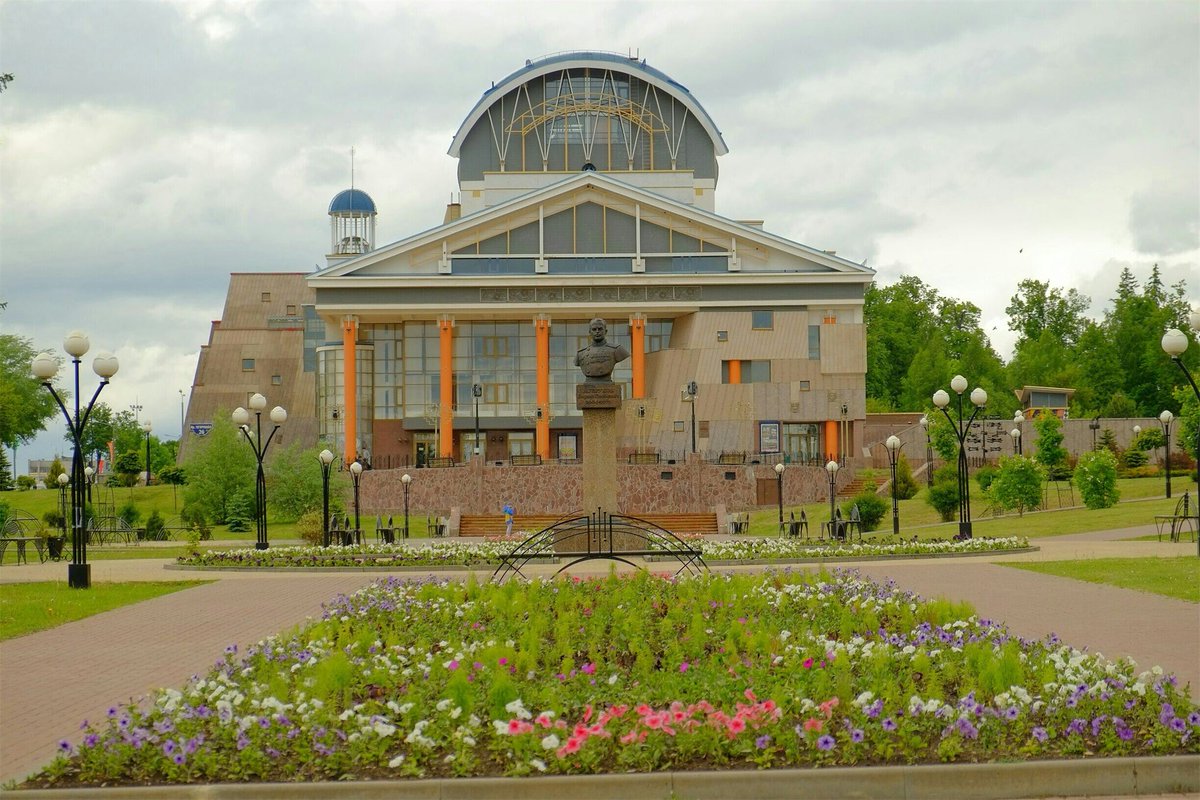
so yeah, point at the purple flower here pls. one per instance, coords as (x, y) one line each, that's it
(64, 746)
(1040, 734)
(1194, 719)
(1166, 714)
(857, 735)
(965, 727)
(1178, 725)
(762, 742)
(826, 742)
(874, 709)
(179, 758)
(1125, 734)
(889, 724)
(1011, 713)
(168, 747)
(90, 740)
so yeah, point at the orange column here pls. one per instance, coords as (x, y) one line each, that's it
(350, 387)
(637, 354)
(541, 326)
(735, 372)
(831, 439)
(446, 387)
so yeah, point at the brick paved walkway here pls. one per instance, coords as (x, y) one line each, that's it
(51, 681)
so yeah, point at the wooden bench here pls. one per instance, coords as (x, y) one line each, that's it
(1174, 523)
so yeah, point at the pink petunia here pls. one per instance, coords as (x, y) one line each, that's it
(684, 666)
(736, 725)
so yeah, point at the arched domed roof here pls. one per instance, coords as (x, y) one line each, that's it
(561, 61)
(352, 201)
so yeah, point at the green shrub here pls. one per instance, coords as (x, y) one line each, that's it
(943, 497)
(130, 513)
(54, 519)
(25, 483)
(1096, 477)
(871, 508)
(1132, 459)
(155, 526)
(906, 486)
(1018, 484)
(194, 517)
(5, 511)
(946, 473)
(984, 476)
(311, 527)
(240, 512)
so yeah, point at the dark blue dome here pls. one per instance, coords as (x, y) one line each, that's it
(352, 200)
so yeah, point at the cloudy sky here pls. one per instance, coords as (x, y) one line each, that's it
(148, 149)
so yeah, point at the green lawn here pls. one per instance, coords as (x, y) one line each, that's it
(1173, 577)
(31, 607)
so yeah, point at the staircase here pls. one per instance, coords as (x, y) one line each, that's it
(859, 485)
(478, 525)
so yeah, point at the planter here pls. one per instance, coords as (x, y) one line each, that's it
(54, 547)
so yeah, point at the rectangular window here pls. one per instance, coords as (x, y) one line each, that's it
(722, 336)
(738, 372)
(814, 342)
(762, 320)
(276, 380)
(247, 365)
(266, 297)
(291, 311)
(805, 386)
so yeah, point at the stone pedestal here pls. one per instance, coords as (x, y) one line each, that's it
(599, 460)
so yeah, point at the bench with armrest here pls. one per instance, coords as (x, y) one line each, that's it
(1174, 523)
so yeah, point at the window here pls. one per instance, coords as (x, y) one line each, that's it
(814, 342)
(805, 386)
(738, 372)
(276, 380)
(762, 320)
(291, 311)
(247, 365)
(266, 297)
(722, 336)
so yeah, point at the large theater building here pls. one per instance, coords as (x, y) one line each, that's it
(587, 186)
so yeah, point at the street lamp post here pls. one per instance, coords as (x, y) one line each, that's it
(89, 476)
(147, 427)
(241, 418)
(691, 391)
(406, 479)
(979, 398)
(832, 468)
(1166, 418)
(894, 445)
(63, 480)
(355, 473)
(1174, 342)
(1015, 433)
(326, 459)
(182, 419)
(1094, 425)
(928, 452)
(45, 367)
(779, 479)
(477, 392)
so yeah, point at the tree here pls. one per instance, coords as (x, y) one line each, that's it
(1037, 309)
(56, 469)
(128, 466)
(1017, 484)
(1096, 477)
(906, 485)
(1050, 452)
(930, 370)
(6, 479)
(1188, 420)
(1119, 406)
(294, 482)
(25, 405)
(219, 467)
(899, 319)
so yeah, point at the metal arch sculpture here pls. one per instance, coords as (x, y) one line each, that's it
(591, 537)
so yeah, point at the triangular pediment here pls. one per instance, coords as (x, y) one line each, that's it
(589, 216)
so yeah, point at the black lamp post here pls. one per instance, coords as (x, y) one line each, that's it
(979, 398)
(406, 479)
(241, 418)
(779, 478)
(147, 427)
(63, 480)
(691, 392)
(45, 367)
(1095, 427)
(928, 452)
(1165, 419)
(1174, 342)
(1015, 433)
(477, 392)
(89, 476)
(894, 446)
(356, 473)
(832, 468)
(326, 459)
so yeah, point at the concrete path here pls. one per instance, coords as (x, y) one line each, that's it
(51, 681)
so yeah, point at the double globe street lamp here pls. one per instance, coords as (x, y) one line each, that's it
(1174, 343)
(326, 459)
(894, 446)
(979, 398)
(45, 368)
(241, 418)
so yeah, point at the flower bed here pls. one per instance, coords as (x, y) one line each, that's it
(429, 678)
(479, 553)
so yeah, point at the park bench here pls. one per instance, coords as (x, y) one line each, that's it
(796, 527)
(526, 460)
(1174, 523)
(20, 529)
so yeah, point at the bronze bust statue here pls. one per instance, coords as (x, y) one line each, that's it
(598, 359)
